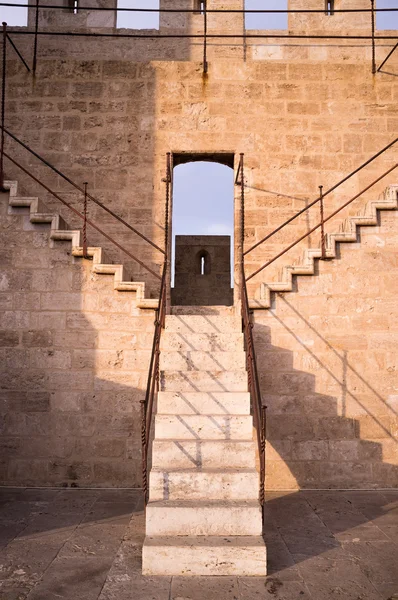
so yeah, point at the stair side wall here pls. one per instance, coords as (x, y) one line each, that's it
(328, 366)
(74, 356)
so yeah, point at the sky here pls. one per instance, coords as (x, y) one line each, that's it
(18, 16)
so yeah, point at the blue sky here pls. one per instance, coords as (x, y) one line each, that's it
(18, 16)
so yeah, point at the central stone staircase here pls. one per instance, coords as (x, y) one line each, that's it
(203, 516)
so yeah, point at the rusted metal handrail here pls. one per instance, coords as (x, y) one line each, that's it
(329, 191)
(35, 42)
(205, 63)
(373, 26)
(81, 216)
(153, 381)
(387, 57)
(210, 10)
(300, 239)
(81, 189)
(3, 104)
(258, 409)
(18, 53)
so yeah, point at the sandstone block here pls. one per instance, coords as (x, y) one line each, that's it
(241, 555)
(203, 427)
(190, 518)
(205, 403)
(206, 454)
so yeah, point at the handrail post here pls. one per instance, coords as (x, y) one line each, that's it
(323, 239)
(3, 106)
(372, 2)
(205, 63)
(85, 253)
(35, 40)
(167, 205)
(163, 287)
(242, 208)
(144, 449)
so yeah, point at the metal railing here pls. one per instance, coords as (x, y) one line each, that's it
(320, 200)
(372, 10)
(257, 407)
(85, 197)
(153, 382)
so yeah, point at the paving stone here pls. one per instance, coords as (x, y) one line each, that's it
(135, 531)
(343, 578)
(93, 540)
(272, 588)
(117, 513)
(125, 578)
(378, 562)
(69, 501)
(197, 588)
(74, 578)
(46, 566)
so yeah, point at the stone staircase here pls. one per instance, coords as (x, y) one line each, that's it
(203, 516)
(348, 233)
(39, 214)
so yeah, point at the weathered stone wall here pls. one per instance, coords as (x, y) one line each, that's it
(328, 364)
(106, 111)
(213, 286)
(73, 365)
(111, 123)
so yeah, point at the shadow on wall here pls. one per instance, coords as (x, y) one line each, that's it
(74, 359)
(311, 442)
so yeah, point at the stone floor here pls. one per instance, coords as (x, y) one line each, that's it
(86, 545)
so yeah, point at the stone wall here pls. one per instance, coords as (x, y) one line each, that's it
(329, 370)
(73, 365)
(300, 125)
(213, 285)
(106, 111)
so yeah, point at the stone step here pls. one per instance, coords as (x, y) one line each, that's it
(192, 484)
(201, 342)
(203, 381)
(203, 361)
(203, 403)
(216, 310)
(206, 454)
(245, 556)
(203, 427)
(174, 518)
(203, 323)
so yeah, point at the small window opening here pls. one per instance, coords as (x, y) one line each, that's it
(329, 8)
(204, 262)
(199, 6)
(74, 6)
